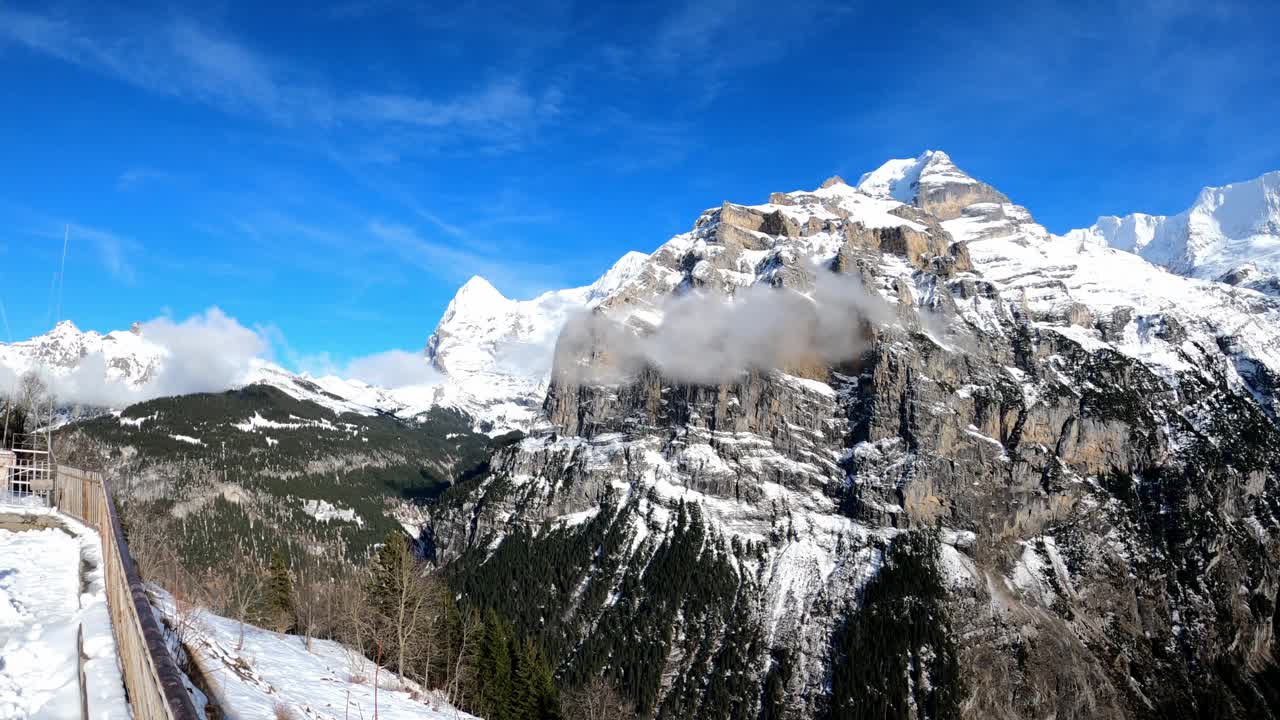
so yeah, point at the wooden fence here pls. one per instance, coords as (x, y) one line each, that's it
(153, 681)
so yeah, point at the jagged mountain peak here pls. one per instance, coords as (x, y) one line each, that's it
(478, 291)
(496, 352)
(931, 182)
(64, 327)
(1228, 229)
(621, 273)
(127, 357)
(899, 179)
(479, 300)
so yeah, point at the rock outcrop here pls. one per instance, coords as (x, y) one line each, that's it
(1044, 484)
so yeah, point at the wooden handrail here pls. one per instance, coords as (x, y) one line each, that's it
(151, 677)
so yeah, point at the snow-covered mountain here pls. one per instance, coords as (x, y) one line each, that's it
(1045, 474)
(1045, 477)
(128, 358)
(495, 353)
(931, 181)
(1231, 233)
(493, 356)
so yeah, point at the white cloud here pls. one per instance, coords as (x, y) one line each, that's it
(207, 352)
(716, 339)
(393, 369)
(388, 369)
(695, 40)
(134, 178)
(500, 105)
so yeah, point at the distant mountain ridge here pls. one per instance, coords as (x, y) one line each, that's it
(492, 353)
(128, 358)
(1230, 233)
(497, 351)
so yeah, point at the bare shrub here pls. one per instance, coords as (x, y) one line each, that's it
(597, 700)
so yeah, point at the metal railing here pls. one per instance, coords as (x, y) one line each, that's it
(151, 677)
(26, 475)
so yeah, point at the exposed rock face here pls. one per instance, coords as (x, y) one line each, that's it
(933, 183)
(1046, 485)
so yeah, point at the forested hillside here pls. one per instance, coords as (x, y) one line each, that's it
(261, 470)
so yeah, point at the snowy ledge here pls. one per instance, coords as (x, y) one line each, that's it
(54, 622)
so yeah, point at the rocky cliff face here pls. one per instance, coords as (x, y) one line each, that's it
(1045, 484)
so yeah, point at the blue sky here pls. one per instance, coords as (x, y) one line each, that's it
(332, 174)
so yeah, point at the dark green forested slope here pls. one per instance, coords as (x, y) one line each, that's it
(245, 466)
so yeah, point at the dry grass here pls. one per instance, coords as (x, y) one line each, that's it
(282, 712)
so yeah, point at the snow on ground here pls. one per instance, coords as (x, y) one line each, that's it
(44, 602)
(325, 511)
(273, 670)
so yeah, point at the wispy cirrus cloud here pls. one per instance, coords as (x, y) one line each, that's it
(114, 251)
(185, 59)
(137, 177)
(176, 58)
(701, 39)
(499, 105)
(453, 262)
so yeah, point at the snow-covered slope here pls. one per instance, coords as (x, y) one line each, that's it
(275, 675)
(931, 182)
(903, 179)
(1230, 233)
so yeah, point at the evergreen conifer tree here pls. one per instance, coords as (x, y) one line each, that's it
(535, 690)
(494, 670)
(280, 600)
(384, 576)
